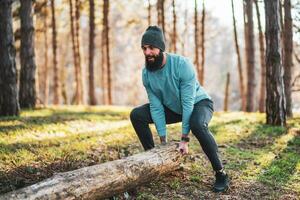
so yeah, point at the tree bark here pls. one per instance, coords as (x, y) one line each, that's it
(149, 12)
(45, 84)
(197, 64)
(262, 95)
(288, 56)
(74, 48)
(107, 52)
(250, 54)
(78, 71)
(92, 98)
(56, 86)
(202, 45)
(161, 14)
(27, 90)
(226, 92)
(174, 35)
(9, 103)
(104, 180)
(239, 62)
(185, 30)
(103, 57)
(275, 102)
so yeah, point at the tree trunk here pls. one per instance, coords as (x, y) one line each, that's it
(262, 95)
(288, 56)
(45, 84)
(226, 92)
(92, 98)
(250, 54)
(107, 52)
(197, 64)
(104, 180)
(202, 45)
(9, 103)
(149, 13)
(239, 62)
(161, 14)
(78, 70)
(275, 103)
(75, 59)
(56, 86)
(63, 71)
(185, 30)
(103, 57)
(27, 91)
(174, 35)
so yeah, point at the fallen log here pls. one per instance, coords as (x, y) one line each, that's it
(103, 180)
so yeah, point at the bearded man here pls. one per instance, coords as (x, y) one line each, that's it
(175, 95)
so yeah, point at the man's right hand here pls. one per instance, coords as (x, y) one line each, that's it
(163, 140)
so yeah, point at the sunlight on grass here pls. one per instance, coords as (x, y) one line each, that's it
(68, 137)
(271, 165)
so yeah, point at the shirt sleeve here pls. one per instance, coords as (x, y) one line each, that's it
(188, 92)
(156, 109)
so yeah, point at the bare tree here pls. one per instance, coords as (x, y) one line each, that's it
(239, 62)
(45, 80)
(161, 14)
(27, 91)
(288, 55)
(92, 98)
(275, 103)
(9, 104)
(185, 30)
(74, 48)
(78, 71)
(250, 54)
(56, 86)
(103, 58)
(174, 34)
(202, 44)
(149, 13)
(262, 96)
(197, 64)
(226, 96)
(107, 50)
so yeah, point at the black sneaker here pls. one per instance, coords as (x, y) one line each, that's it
(222, 181)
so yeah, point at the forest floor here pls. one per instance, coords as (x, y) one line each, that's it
(263, 161)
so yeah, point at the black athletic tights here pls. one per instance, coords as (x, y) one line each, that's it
(202, 113)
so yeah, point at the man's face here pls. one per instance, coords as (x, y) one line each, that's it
(153, 57)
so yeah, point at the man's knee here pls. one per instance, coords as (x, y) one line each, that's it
(198, 125)
(134, 114)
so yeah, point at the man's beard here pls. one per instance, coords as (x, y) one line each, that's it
(157, 63)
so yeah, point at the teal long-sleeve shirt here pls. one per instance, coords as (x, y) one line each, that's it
(174, 86)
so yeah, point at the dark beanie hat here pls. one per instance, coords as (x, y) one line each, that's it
(155, 37)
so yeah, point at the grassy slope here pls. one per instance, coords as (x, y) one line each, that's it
(263, 161)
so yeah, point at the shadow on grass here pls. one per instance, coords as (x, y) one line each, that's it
(59, 116)
(245, 150)
(25, 175)
(262, 136)
(282, 168)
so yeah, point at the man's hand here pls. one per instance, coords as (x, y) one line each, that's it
(183, 147)
(163, 140)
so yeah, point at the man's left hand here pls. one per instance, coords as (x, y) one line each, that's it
(183, 147)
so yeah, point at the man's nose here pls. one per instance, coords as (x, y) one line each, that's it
(147, 51)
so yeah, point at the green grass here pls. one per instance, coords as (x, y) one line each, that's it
(44, 141)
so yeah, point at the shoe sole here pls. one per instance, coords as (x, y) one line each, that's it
(219, 191)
